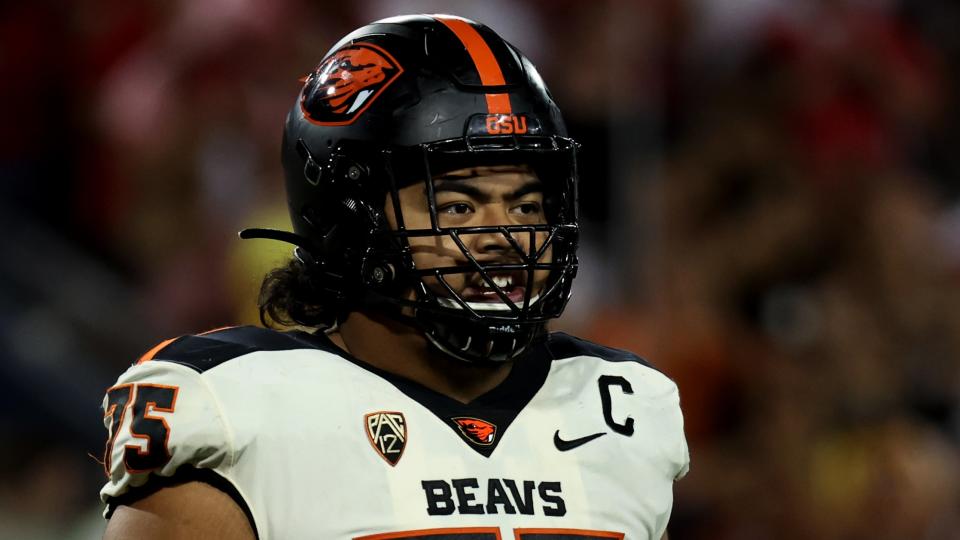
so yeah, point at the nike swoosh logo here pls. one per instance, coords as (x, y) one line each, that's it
(563, 445)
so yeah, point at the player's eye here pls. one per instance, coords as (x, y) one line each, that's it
(456, 208)
(527, 208)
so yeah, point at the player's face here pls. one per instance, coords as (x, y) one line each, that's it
(475, 197)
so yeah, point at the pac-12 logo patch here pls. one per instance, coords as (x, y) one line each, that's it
(476, 430)
(387, 432)
(347, 82)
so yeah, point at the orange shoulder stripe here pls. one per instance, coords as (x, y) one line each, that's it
(216, 330)
(147, 356)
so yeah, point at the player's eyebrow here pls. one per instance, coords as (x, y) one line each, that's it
(474, 192)
(455, 186)
(533, 186)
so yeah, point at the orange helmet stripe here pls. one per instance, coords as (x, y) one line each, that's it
(483, 59)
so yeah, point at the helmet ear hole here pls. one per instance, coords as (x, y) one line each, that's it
(351, 205)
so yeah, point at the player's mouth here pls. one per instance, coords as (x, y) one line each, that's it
(512, 284)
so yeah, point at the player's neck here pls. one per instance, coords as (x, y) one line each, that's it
(402, 350)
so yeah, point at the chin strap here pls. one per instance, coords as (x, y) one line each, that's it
(490, 344)
(457, 339)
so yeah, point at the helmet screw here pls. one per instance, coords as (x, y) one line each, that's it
(353, 172)
(378, 275)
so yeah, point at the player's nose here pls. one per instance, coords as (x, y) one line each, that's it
(495, 242)
(498, 241)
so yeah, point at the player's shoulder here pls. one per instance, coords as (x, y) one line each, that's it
(563, 346)
(207, 350)
(569, 353)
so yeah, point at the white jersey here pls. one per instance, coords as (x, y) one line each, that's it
(580, 441)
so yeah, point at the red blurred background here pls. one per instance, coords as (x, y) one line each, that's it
(771, 216)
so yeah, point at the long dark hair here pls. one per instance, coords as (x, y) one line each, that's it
(290, 295)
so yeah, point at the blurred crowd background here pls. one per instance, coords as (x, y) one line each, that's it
(772, 216)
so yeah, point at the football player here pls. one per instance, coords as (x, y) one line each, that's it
(433, 193)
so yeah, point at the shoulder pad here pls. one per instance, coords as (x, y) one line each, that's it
(205, 351)
(563, 346)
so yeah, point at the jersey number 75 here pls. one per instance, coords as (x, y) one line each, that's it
(141, 400)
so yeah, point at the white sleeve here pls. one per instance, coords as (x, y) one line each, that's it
(678, 441)
(161, 417)
(666, 419)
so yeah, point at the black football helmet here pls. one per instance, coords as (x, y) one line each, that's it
(393, 104)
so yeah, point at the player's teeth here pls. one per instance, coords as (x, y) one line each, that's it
(502, 281)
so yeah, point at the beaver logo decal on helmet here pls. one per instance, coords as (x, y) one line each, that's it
(347, 82)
